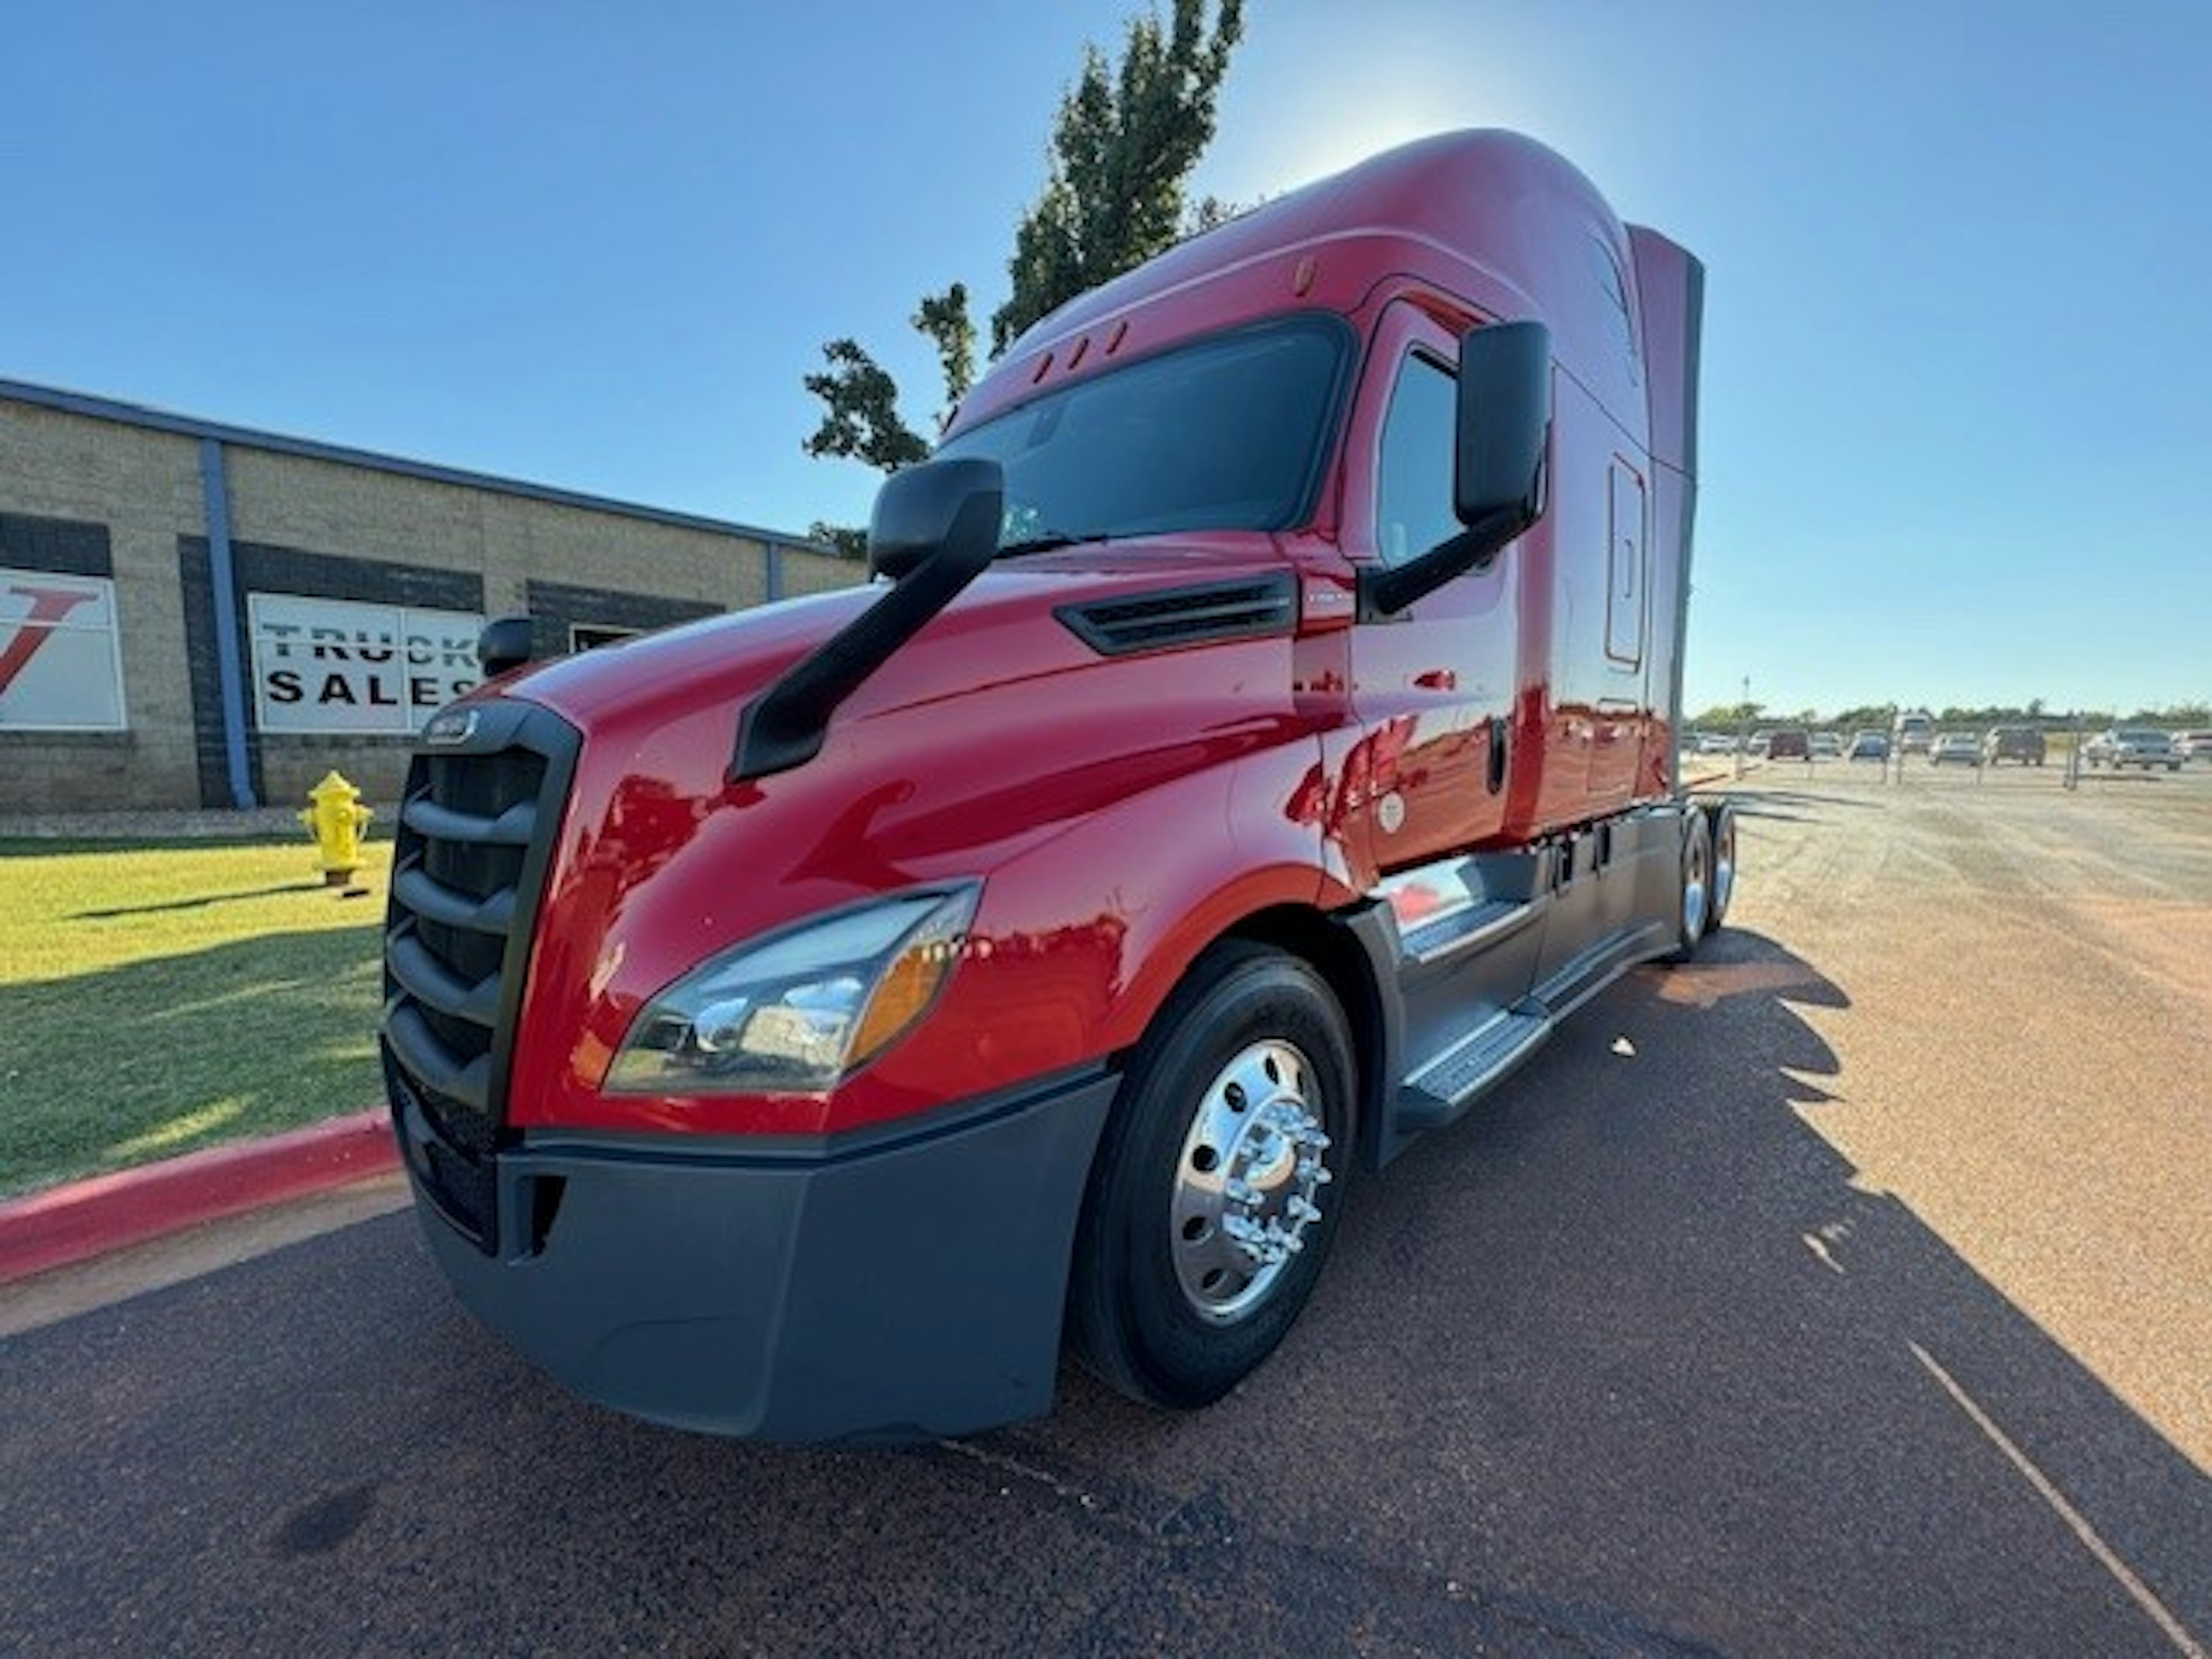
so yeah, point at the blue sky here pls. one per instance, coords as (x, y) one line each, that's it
(1958, 373)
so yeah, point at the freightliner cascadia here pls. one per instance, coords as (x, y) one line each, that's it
(810, 1023)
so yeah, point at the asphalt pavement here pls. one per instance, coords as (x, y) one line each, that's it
(1843, 1293)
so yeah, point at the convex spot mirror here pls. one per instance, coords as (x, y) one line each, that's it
(506, 643)
(940, 510)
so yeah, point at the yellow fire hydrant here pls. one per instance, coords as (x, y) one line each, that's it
(336, 820)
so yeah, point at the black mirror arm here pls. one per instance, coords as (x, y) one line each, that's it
(936, 529)
(783, 727)
(1385, 590)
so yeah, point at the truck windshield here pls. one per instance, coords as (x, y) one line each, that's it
(1227, 432)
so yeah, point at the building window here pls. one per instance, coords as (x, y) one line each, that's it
(590, 636)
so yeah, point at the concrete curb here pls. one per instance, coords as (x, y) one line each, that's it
(87, 1218)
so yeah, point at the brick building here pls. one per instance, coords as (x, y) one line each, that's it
(193, 614)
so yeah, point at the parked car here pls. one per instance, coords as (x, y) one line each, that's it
(1955, 748)
(2023, 744)
(2193, 746)
(1827, 745)
(1868, 745)
(1756, 746)
(1913, 733)
(1793, 744)
(2131, 745)
(1715, 743)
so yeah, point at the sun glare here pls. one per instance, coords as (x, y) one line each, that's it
(1374, 104)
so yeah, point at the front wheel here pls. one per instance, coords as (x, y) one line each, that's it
(1216, 1193)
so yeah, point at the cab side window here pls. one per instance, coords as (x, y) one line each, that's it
(1614, 286)
(1413, 480)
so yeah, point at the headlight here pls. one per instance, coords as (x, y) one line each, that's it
(795, 1013)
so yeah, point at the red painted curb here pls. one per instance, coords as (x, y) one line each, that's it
(87, 1218)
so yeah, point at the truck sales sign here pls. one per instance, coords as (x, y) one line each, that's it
(60, 668)
(328, 665)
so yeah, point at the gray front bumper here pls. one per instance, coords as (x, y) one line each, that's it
(911, 1286)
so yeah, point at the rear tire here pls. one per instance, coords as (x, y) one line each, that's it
(1694, 901)
(1724, 832)
(1216, 1192)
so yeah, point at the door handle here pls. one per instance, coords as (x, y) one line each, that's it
(1436, 680)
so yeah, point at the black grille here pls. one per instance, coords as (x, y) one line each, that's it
(468, 868)
(1185, 615)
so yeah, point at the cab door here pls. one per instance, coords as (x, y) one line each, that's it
(1432, 686)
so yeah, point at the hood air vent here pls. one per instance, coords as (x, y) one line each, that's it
(1185, 615)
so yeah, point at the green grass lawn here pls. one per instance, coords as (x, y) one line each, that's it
(158, 998)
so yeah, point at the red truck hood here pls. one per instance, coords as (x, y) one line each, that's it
(992, 731)
(725, 660)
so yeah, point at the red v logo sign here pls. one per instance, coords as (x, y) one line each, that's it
(48, 606)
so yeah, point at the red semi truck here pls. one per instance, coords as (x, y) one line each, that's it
(1262, 730)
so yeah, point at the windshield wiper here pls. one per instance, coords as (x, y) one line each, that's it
(1046, 541)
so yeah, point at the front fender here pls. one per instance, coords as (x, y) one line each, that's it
(1109, 914)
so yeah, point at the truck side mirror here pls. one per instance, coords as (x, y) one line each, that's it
(1504, 415)
(939, 511)
(506, 643)
(935, 529)
(1505, 419)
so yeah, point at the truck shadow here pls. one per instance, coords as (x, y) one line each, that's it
(1792, 805)
(1637, 1326)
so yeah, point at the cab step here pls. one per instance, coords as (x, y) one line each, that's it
(1441, 1090)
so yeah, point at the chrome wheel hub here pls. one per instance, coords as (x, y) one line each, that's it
(1693, 890)
(1246, 1185)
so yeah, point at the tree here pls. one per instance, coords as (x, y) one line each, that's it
(944, 318)
(861, 418)
(1124, 144)
(1123, 147)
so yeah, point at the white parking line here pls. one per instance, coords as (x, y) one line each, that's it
(2176, 1631)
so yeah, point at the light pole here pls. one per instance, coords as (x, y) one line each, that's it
(1742, 726)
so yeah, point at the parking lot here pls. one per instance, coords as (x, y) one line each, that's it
(1848, 1292)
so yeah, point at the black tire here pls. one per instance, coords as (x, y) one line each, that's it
(1693, 890)
(1723, 818)
(1164, 1303)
